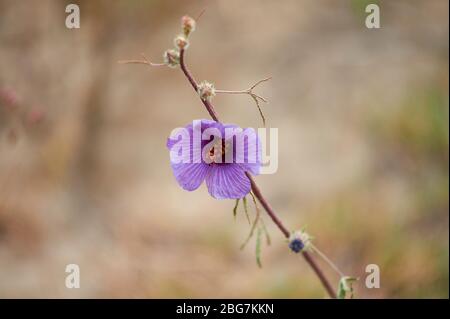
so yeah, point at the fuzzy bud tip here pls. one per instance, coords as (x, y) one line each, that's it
(188, 25)
(206, 90)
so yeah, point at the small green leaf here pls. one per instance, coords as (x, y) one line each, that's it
(258, 246)
(345, 286)
(252, 231)
(244, 201)
(235, 208)
(260, 227)
(266, 232)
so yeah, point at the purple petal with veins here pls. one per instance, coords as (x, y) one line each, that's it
(225, 176)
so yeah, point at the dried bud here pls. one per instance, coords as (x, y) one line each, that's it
(181, 42)
(188, 25)
(8, 97)
(206, 90)
(172, 58)
(299, 241)
(35, 116)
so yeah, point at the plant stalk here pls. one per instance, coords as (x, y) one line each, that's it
(257, 192)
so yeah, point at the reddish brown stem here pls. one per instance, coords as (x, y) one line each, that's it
(257, 192)
(286, 233)
(326, 284)
(191, 79)
(267, 206)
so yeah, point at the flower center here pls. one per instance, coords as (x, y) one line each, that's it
(217, 153)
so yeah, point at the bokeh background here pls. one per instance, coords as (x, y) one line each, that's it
(84, 173)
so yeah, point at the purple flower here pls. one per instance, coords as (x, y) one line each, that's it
(218, 153)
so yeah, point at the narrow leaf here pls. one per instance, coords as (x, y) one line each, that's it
(235, 208)
(252, 231)
(266, 232)
(263, 225)
(244, 201)
(258, 247)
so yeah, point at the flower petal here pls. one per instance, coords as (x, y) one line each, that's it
(227, 181)
(190, 176)
(183, 138)
(248, 155)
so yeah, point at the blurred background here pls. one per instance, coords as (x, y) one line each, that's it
(85, 176)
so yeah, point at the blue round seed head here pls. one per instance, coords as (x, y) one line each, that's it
(296, 245)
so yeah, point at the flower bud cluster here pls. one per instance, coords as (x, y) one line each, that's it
(181, 42)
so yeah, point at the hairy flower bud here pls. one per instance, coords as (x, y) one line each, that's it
(181, 42)
(172, 58)
(299, 241)
(188, 25)
(206, 90)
